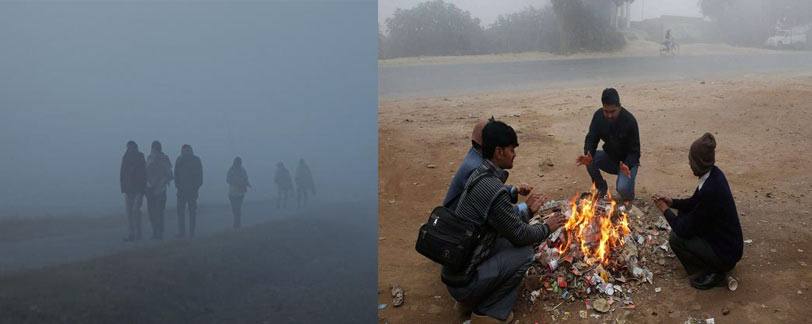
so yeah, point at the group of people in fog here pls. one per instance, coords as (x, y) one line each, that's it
(150, 177)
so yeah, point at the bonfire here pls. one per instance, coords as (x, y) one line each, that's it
(595, 254)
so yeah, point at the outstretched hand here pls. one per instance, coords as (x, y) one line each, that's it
(662, 203)
(524, 189)
(555, 221)
(535, 201)
(625, 169)
(584, 159)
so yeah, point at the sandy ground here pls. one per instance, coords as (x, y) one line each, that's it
(632, 49)
(761, 125)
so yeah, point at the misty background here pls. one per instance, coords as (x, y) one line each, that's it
(267, 81)
(409, 28)
(488, 10)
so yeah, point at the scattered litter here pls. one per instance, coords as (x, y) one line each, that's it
(431, 166)
(732, 283)
(710, 321)
(438, 297)
(397, 296)
(582, 314)
(600, 305)
(658, 289)
(748, 241)
(663, 224)
(801, 251)
(725, 311)
(692, 320)
(392, 201)
(800, 292)
(381, 306)
(381, 238)
(773, 250)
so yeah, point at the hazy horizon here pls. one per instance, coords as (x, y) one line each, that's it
(487, 11)
(83, 78)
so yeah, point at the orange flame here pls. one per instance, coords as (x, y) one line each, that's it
(591, 226)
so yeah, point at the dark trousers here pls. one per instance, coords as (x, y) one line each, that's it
(282, 198)
(132, 203)
(236, 209)
(183, 202)
(495, 288)
(603, 162)
(156, 205)
(301, 197)
(696, 255)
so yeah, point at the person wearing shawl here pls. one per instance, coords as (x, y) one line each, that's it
(133, 180)
(159, 174)
(304, 183)
(238, 184)
(284, 184)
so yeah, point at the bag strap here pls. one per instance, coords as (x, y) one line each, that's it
(468, 187)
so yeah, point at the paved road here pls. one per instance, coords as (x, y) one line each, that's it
(453, 79)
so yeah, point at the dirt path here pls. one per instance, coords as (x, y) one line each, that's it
(270, 272)
(37, 243)
(761, 126)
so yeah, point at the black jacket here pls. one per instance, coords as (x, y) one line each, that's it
(133, 174)
(621, 139)
(711, 215)
(188, 173)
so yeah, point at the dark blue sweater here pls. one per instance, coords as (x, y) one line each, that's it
(711, 215)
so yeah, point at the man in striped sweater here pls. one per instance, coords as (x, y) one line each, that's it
(489, 286)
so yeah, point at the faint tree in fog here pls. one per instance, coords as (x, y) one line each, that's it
(433, 28)
(528, 30)
(584, 25)
(439, 28)
(381, 42)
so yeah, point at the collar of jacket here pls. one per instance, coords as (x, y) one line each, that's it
(497, 171)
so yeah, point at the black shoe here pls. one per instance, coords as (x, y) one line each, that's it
(708, 280)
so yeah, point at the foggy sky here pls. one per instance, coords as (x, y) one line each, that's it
(268, 82)
(488, 10)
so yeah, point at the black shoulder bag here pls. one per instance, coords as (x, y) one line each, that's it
(446, 238)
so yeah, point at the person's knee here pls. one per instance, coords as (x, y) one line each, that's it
(674, 241)
(626, 189)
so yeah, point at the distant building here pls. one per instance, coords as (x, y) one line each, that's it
(683, 29)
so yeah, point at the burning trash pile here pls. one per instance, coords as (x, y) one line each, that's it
(600, 255)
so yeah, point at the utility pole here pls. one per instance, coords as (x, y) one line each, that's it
(642, 9)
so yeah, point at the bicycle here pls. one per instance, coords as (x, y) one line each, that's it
(669, 49)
